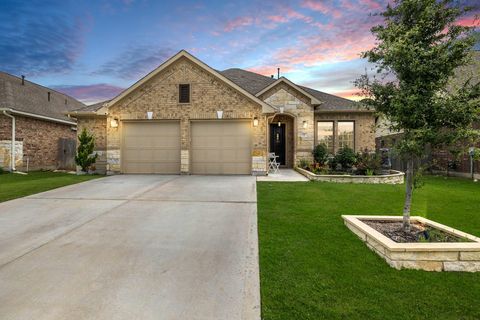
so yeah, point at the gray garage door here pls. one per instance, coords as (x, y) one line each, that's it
(151, 147)
(221, 147)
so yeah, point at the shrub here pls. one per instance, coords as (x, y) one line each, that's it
(320, 154)
(346, 157)
(368, 163)
(303, 163)
(85, 157)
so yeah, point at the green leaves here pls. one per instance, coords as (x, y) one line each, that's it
(85, 156)
(419, 48)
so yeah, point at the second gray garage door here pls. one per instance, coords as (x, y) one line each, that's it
(221, 147)
(151, 147)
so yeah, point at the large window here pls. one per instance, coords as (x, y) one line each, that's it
(346, 134)
(325, 134)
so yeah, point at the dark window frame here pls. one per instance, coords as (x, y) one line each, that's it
(181, 97)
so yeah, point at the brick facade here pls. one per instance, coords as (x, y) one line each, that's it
(210, 94)
(39, 140)
(160, 96)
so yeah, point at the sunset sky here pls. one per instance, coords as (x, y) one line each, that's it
(94, 49)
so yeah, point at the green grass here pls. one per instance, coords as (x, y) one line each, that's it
(15, 185)
(313, 267)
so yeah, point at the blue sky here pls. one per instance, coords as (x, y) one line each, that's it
(94, 49)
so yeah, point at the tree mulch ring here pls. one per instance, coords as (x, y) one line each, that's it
(419, 232)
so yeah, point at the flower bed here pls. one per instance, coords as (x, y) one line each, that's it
(462, 253)
(392, 177)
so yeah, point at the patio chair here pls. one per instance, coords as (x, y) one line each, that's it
(273, 165)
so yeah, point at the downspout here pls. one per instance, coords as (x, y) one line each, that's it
(12, 148)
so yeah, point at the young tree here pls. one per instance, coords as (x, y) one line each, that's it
(84, 157)
(418, 48)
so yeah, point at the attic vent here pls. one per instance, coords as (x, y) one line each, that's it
(48, 94)
(184, 93)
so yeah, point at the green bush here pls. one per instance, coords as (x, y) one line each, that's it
(368, 163)
(346, 157)
(320, 154)
(85, 157)
(303, 163)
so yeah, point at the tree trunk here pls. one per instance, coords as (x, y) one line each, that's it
(408, 194)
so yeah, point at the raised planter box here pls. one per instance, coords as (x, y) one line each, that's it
(395, 177)
(439, 256)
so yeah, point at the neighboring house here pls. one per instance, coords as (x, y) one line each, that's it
(44, 136)
(441, 159)
(204, 121)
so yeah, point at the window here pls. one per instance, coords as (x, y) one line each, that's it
(346, 134)
(325, 134)
(184, 93)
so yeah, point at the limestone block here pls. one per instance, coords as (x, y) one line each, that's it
(466, 266)
(470, 255)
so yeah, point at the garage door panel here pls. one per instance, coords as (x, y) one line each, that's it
(151, 147)
(221, 147)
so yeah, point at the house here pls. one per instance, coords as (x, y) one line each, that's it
(34, 117)
(186, 117)
(440, 159)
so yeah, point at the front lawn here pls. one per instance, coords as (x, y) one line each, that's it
(16, 185)
(313, 267)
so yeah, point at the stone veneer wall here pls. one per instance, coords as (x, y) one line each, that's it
(364, 127)
(39, 141)
(298, 106)
(208, 95)
(395, 177)
(457, 256)
(98, 127)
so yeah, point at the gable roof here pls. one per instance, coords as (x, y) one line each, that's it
(265, 106)
(256, 83)
(31, 99)
(313, 100)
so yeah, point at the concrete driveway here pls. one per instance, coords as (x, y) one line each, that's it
(132, 247)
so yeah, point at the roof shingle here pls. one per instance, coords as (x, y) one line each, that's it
(33, 98)
(254, 83)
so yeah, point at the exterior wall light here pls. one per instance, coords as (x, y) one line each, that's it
(255, 122)
(149, 115)
(114, 123)
(279, 124)
(282, 109)
(305, 124)
(219, 114)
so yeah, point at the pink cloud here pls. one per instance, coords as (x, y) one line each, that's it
(322, 7)
(238, 23)
(278, 19)
(371, 4)
(352, 94)
(90, 93)
(468, 22)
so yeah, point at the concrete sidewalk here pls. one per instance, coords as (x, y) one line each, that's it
(132, 247)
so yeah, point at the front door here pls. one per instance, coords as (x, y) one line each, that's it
(277, 141)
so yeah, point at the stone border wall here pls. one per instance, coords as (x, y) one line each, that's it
(395, 177)
(439, 256)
